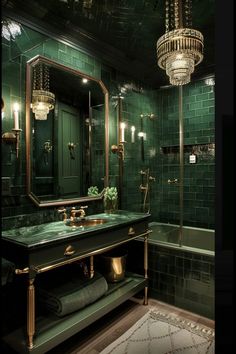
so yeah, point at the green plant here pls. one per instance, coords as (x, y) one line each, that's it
(110, 199)
(110, 193)
(92, 191)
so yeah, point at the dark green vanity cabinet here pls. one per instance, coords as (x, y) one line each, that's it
(41, 248)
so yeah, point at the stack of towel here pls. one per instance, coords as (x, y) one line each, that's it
(67, 290)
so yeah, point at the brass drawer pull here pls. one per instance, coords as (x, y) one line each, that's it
(69, 251)
(131, 231)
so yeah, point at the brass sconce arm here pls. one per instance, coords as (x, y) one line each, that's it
(13, 138)
(119, 150)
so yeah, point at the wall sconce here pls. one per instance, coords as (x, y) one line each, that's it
(122, 132)
(119, 150)
(14, 136)
(42, 99)
(132, 133)
(142, 135)
(148, 115)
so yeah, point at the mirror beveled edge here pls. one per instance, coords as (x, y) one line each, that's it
(60, 202)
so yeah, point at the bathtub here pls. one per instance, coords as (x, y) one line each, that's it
(195, 240)
(182, 276)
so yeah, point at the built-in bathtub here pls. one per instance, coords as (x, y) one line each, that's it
(196, 240)
(181, 274)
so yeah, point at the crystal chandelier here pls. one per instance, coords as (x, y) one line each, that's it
(10, 29)
(42, 99)
(180, 49)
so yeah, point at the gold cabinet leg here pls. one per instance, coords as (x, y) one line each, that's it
(30, 312)
(145, 302)
(91, 271)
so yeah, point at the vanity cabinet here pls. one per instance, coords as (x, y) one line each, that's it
(35, 250)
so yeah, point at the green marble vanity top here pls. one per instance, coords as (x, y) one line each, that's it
(31, 236)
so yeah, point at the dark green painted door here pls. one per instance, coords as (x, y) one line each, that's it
(69, 150)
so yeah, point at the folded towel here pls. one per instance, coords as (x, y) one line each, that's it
(8, 270)
(64, 296)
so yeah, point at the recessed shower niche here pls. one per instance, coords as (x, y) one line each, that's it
(66, 150)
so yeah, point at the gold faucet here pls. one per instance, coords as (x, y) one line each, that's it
(63, 212)
(80, 211)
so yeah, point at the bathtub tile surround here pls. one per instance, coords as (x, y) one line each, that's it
(180, 278)
(189, 282)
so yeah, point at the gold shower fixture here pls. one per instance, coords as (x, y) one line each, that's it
(180, 49)
(42, 99)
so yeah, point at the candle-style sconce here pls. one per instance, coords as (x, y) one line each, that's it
(13, 137)
(119, 149)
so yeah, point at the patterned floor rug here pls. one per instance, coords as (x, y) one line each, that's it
(160, 333)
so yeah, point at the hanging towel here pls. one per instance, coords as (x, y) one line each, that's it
(64, 296)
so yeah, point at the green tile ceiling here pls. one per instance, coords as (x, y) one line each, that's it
(121, 29)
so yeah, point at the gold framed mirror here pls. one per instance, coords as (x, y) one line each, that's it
(66, 145)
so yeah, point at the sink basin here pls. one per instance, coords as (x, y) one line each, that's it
(86, 222)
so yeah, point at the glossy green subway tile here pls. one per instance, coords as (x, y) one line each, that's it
(203, 111)
(38, 50)
(195, 105)
(207, 88)
(65, 59)
(202, 97)
(208, 103)
(5, 53)
(51, 48)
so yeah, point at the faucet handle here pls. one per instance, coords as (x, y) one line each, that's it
(62, 211)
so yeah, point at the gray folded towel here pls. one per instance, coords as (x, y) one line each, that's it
(8, 270)
(64, 296)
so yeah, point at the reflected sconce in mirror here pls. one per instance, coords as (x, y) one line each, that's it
(120, 148)
(13, 137)
(133, 134)
(42, 99)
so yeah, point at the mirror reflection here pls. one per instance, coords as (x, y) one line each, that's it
(66, 133)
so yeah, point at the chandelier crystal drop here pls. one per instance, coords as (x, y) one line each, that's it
(180, 49)
(10, 29)
(42, 99)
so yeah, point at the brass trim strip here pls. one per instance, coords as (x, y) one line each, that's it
(38, 269)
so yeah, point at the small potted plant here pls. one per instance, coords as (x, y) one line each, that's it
(93, 191)
(110, 200)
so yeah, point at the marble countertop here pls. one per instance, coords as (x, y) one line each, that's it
(32, 236)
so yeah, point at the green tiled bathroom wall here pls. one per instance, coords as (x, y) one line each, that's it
(16, 53)
(160, 153)
(160, 132)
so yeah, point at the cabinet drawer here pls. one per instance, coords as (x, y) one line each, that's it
(84, 245)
